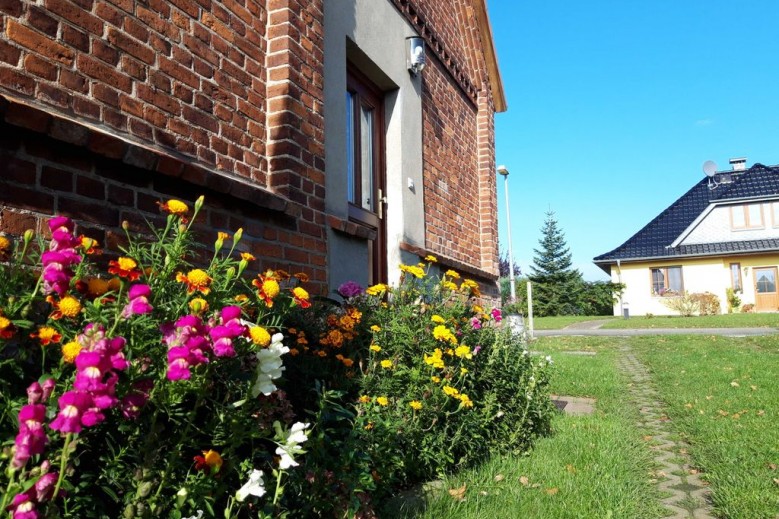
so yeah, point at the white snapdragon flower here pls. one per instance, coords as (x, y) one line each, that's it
(291, 445)
(199, 515)
(254, 487)
(269, 366)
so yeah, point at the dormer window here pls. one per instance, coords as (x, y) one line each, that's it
(749, 216)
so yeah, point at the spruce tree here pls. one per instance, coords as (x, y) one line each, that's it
(556, 285)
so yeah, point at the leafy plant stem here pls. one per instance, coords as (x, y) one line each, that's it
(63, 463)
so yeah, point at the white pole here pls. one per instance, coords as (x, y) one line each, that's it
(530, 308)
(505, 173)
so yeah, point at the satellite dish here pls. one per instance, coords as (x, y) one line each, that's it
(710, 168)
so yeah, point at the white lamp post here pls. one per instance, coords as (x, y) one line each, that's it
(504, 172)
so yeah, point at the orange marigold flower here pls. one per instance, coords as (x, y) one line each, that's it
(5, 246)
(302, 276)
(7, 328)
(175, 207)
(222, 236)
(280, 275)
(300, 296)
(46, 335)
(346, 322)
(211, 460)
(268, 287)
(89, 245)
(196, 279)
(68, 306)
(247, 256)
(198, 305)
(334, 338)
(354, 313)
(125, 268)
(294, 352)
(348, 362)
(364, 399)
(96, 287)
(241, 298)
(70, 351)
(322, 353)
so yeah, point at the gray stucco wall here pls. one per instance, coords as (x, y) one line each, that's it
(372, 35)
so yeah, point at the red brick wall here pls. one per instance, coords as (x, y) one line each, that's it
(183, 75)
(42, 176)
(458, 138)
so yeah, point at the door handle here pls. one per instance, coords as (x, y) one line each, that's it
(381, 200)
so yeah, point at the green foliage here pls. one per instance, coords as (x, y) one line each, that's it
(397, 385)
(708, 303)
(734, 301)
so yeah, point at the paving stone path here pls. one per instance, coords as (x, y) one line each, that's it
(685, 495)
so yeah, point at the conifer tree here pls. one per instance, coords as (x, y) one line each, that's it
(556, 285)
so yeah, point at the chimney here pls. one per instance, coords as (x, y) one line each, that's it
(739, 164)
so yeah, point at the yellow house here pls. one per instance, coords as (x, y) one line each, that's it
(723, 233)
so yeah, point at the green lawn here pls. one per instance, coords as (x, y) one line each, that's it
(705, 321)
(721, 397)
(592, 466)
(559, 322)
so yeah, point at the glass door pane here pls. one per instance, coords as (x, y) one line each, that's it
(766, 281)
(366, 158)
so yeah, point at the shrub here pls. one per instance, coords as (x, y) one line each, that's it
(685, 304)
(146, 386)
(734, 301)
(708, 303)
(748, 308)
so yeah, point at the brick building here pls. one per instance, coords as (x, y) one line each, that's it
(299, 121)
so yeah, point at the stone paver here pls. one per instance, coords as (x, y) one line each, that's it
(613, 332)
(688, 494)
(574, 405)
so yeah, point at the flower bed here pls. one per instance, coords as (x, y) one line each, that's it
(153, 387)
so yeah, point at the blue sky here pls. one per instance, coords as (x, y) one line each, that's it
(615, 105)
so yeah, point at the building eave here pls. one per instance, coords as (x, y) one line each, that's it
(490, 56)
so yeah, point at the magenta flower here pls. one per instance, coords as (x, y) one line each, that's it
(23, 506)
(178, 366)
(138, 304)
(76, 412)
(60, 257)
(44, 487)
(497, 315)
(188, 345)
(32, 438)
(350, 289)
(476, 323)
(48, 388)
(223, 334)
(34, 393)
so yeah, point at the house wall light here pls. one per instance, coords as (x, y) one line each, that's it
(415, 54)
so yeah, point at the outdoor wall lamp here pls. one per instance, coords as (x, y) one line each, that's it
(415, 57)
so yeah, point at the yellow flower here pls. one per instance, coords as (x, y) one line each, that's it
(176, 207)
(463, 371)
(259, 336)
(386, 364)
(450, 391)
(449, 285)
(431, 258)
(375, 347)
(472, 286)
(70, 351)
(375, 328)
(477, 309)
(416, 405)
(464, 352)
(247, 256)
(222, 236)
(69, 306)
(240, 298)
(369, 426)
(213, 460)
(435, 379)
(414, 270)
(364, 399)
(198, 305)
(46, 335)
(467, 402)
(300, 296)
(376, 290)
(382, 401)
(196, 279)
(438, 319)
(443, 334)
(452, 274)
(435, 359)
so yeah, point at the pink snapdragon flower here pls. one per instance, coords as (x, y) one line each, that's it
(188, 346)
(496, 314)
(34, 393)
(44, 487)
(476, 323)
(77, 410)
(229, 329)
(32, 438)
(138, 303)
(61, 256)
(24, 506)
